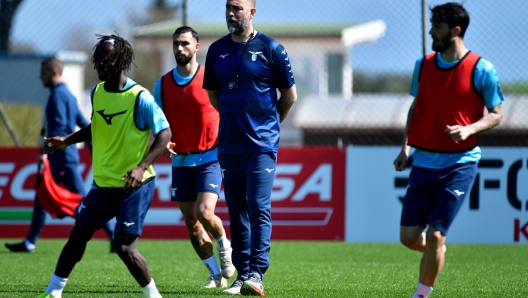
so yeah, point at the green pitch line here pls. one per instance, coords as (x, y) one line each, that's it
(15, 215)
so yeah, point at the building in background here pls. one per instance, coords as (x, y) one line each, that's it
(320, 54)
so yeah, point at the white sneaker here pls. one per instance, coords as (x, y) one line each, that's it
(226, 265)
(234, 289)
(216, 281)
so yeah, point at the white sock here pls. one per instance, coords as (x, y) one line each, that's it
(56, 285)
(29, 245)
(150, 290)
(211, 265)
(423, 291)
(222, 243)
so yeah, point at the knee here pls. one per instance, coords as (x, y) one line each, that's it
(124, 244)
(122, 250)
(411, 240)
(204, 216)
(435, 239)
(81, 234)
(407, 240)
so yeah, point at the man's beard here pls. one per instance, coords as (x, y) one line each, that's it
(443, 45)
(241, 27)
(183, 61)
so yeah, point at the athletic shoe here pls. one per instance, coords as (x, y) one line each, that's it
(234, 289)
(253, 286)
(226, 265)
(216, 281)
(45, 295)
(18, 247)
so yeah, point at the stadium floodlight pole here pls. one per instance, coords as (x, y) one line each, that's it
(424, 27)
(184, 12)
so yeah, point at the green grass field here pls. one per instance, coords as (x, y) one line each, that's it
(298, 269)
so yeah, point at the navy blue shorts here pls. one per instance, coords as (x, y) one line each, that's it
(187, 182)
(130, 209)
(434, 196)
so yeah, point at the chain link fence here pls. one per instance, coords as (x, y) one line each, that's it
(352, 59)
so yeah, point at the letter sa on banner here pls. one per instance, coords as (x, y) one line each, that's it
(308, 198)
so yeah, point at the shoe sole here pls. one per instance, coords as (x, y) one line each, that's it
(250, 290)
(216, 286)
(229, 293)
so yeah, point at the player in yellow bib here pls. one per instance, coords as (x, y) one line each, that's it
(124, 115)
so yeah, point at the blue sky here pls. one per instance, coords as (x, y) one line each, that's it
(497, 31)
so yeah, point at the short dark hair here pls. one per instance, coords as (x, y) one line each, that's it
(185, 29)
(122, 55)
(54, 63)
(453, 14)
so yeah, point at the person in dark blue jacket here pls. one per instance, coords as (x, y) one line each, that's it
(243, 72)
(62, 115)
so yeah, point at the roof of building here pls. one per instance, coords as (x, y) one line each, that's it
(382, 111)
(166, 28)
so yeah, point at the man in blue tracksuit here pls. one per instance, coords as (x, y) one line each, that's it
(243, 71)
(62, 115)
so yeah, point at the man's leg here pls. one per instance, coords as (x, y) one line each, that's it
(133, 207)
(205, 206)
(72, 181)
(261, 174)
(125, 246)
(414, 238)
(208, 179)
(433, 259)
(259, 187)
(72, 253)
(234, 180)
(38, 220)
(37, 223)
(202, 244)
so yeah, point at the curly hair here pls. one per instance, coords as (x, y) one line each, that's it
(121, 56)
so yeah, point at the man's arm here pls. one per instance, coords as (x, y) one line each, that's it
(60, 142)
(288, 97)
(80, 120)
(134, 176)
(401, 160)
(213, 98)
(490, 120)
(158, 146)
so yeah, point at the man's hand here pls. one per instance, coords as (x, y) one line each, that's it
(168, 153)
(401, 161)
(457, 132)
(53, 144)
(133, 178)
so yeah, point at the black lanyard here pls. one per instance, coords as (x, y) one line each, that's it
(233, 85)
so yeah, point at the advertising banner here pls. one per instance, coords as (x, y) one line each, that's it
(496, 210)
(307, 198)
